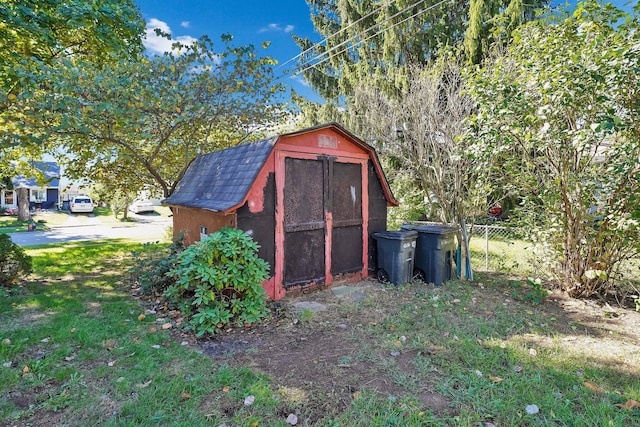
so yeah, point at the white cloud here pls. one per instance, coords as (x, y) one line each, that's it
(301, 80)
(158, 44)
(276, 28)
(185, 24)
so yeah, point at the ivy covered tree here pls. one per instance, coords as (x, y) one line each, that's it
(147, 119)
(560, 111)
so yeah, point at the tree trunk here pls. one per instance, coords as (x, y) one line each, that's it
(23, 204)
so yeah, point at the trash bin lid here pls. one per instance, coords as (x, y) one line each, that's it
(431, 228)
(396, 235)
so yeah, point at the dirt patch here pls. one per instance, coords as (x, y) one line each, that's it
(322, 360)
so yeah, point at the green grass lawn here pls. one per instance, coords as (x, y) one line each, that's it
(77, 349)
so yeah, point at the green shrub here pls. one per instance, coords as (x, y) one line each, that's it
(152, 265)
(218, 281)
(14, 262)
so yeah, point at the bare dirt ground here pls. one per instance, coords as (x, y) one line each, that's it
(326, 354)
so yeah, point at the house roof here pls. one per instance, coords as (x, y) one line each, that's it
(220, 181)
(51, 172)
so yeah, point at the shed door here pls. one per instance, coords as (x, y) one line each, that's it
(346, 201)
(304, 221)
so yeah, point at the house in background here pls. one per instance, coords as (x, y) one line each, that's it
(311, 199)
(42, 195)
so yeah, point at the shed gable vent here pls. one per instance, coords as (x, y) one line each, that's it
(327, 141)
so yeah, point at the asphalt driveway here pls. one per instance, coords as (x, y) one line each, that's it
(147, 229)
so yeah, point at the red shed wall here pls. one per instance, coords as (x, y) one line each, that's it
(189, 221)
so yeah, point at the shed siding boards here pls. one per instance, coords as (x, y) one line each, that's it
(187, 221)
(308, 198)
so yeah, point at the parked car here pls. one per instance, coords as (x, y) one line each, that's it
(141, 206)
(81, 204)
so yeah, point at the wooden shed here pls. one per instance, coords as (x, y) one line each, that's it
(310, 199)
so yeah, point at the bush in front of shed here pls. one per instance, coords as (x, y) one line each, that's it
(14, 262)
(218, 280)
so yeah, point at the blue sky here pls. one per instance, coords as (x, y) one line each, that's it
(250, 21)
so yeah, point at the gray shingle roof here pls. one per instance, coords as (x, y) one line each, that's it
(220, 180)
(51, 172)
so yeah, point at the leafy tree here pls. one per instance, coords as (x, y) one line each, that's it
(36, 34)
(376, 43)
(35, 37)
(420, 133)
(149, 118)
(560, 111)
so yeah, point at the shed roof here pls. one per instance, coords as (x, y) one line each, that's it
(220, 181)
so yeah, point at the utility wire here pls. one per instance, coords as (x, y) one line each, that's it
(361, 41)
(386, 3)
(326, 52)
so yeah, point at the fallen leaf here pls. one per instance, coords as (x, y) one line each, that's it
(495, 379)
(292, 419)
(478, 373)
(25, 370)
(152, 329)
(144, 385)
(254, 424)
(518, 369)
(113, 362)
(167, 326)
(249, 400)
(141, 317)
(225, 389)
(631, 405)
(398, 343)
(185, 396)
(45, 339)
(356, 394)
(70, 358)
(591, 386)
(73, 330)
(532, 409)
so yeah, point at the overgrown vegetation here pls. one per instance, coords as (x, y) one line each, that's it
(152, 264)
(561, 131)
(218, 280)
(14, 262)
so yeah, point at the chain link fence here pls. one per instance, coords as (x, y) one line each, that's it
(497, 247)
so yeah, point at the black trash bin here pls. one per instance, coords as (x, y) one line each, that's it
(396, 252)
(435, 252)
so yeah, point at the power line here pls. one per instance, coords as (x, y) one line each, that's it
(388, 2)
(326, 52)
(364, 40)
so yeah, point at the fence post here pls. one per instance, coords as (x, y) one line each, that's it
(486, 248)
